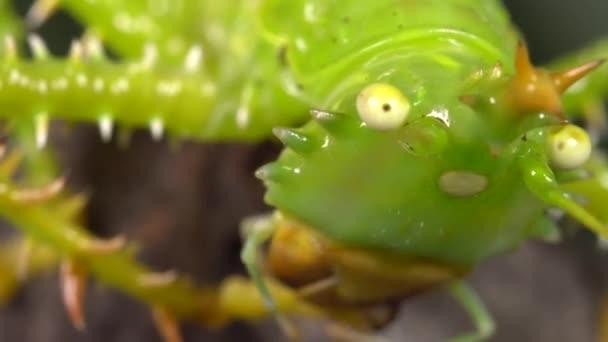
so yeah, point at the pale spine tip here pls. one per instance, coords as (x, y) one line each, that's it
(76, 52)
(93, 48)
(167, 325)
(194, 59)
(37, 195)
(73, 286)
(275, 172)
(10, 48)
(101, 246)
(38, 47)
(157, 128)
(106, 127)
(297, 141)
(157, 279)
(39, 12)
(150, 56)
(41, 122)
(331, 122)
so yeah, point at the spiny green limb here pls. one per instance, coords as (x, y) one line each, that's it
(51, 224)
(20, 259)
(476, 309)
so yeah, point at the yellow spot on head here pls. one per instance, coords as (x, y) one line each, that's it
(462, 183)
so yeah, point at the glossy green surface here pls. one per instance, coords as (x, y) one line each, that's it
(372, 189)
(235, 69)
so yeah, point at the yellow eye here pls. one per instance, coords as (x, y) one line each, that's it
(382, 106)
(569, 147)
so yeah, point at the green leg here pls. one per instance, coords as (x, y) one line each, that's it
(474, 307)
(593, 187)
(541, 181)
(257, 231)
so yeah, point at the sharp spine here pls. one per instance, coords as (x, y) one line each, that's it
(41, 194)
(150, 56)
(297, 141)
(275, 172)
(332, 122)
(167, 324)
(157, 128)
(10, 47)
(38, 47)
(93, 47)
(39, 12)
(194, 59)
(104, 246)
(76, 52)
(106, 127)
(73, 286)
(158, 279)
(41, 122)
(563, 80)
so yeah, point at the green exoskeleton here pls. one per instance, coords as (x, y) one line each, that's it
(429, 142)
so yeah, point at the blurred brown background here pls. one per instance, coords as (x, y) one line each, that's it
(184, 206)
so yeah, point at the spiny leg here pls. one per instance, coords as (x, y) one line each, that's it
(476, 309)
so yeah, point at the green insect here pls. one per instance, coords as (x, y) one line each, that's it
(434, 144)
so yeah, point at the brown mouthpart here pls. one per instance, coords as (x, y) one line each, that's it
(537, 90)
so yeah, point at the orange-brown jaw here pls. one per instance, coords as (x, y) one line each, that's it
(360, 277)
(537, 90)
(295, 256)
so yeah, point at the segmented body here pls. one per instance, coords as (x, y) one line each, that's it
(218, 81)
(465, 177)
(395, 203)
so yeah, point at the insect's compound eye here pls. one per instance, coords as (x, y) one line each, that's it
(568, 146)
(382, 106)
